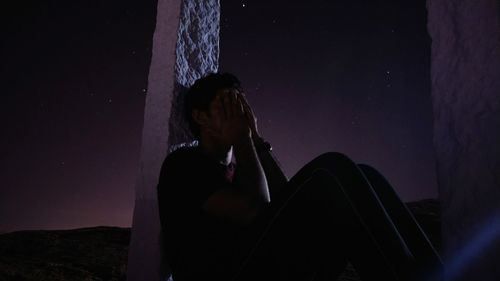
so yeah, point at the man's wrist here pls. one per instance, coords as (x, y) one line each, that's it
(261, 144)
(257, 139)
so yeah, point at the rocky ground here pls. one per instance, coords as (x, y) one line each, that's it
(100, 253)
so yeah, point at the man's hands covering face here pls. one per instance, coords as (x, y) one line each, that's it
(229, 119)
(251, 119)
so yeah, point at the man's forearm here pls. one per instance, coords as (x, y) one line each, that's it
(250, 173)
(276, 178)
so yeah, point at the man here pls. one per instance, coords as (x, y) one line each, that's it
(244, 220)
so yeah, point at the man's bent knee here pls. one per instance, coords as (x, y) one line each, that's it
(331, 160)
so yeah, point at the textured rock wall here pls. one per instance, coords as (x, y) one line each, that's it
(197, 53)
(185, 46)
(466, 99)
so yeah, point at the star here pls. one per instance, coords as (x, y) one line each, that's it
(243, 5)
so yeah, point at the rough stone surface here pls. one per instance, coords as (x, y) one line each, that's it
(185, 46)
(198, 40)
(466, 99)
(197, 53)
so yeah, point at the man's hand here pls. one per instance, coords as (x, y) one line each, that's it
(230, 122)
(251, 119)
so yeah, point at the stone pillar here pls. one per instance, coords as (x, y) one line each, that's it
(185, 47)
(466, 99)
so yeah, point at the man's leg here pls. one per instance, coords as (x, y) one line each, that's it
(291, 239)
(328, 205)
(425, 255)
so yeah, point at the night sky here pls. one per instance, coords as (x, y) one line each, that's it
(347, 76)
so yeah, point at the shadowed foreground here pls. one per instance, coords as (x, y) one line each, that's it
(100, 253)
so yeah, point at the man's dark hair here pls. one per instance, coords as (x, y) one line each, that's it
(202, 92)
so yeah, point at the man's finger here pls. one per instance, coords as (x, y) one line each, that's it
(241, 106)
(245, 103)
(252, 120)
(234, 103)
(237, 106)
(248, 112)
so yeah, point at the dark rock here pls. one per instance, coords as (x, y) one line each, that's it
(97, 253)
(100, 253)
(465, 93)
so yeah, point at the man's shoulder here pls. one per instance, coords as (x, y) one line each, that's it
(179, 163)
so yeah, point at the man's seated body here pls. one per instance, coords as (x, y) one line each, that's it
(228, 212)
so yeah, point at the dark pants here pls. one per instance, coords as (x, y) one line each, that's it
(333, 211)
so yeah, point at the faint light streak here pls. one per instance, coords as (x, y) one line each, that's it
(477, 245)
